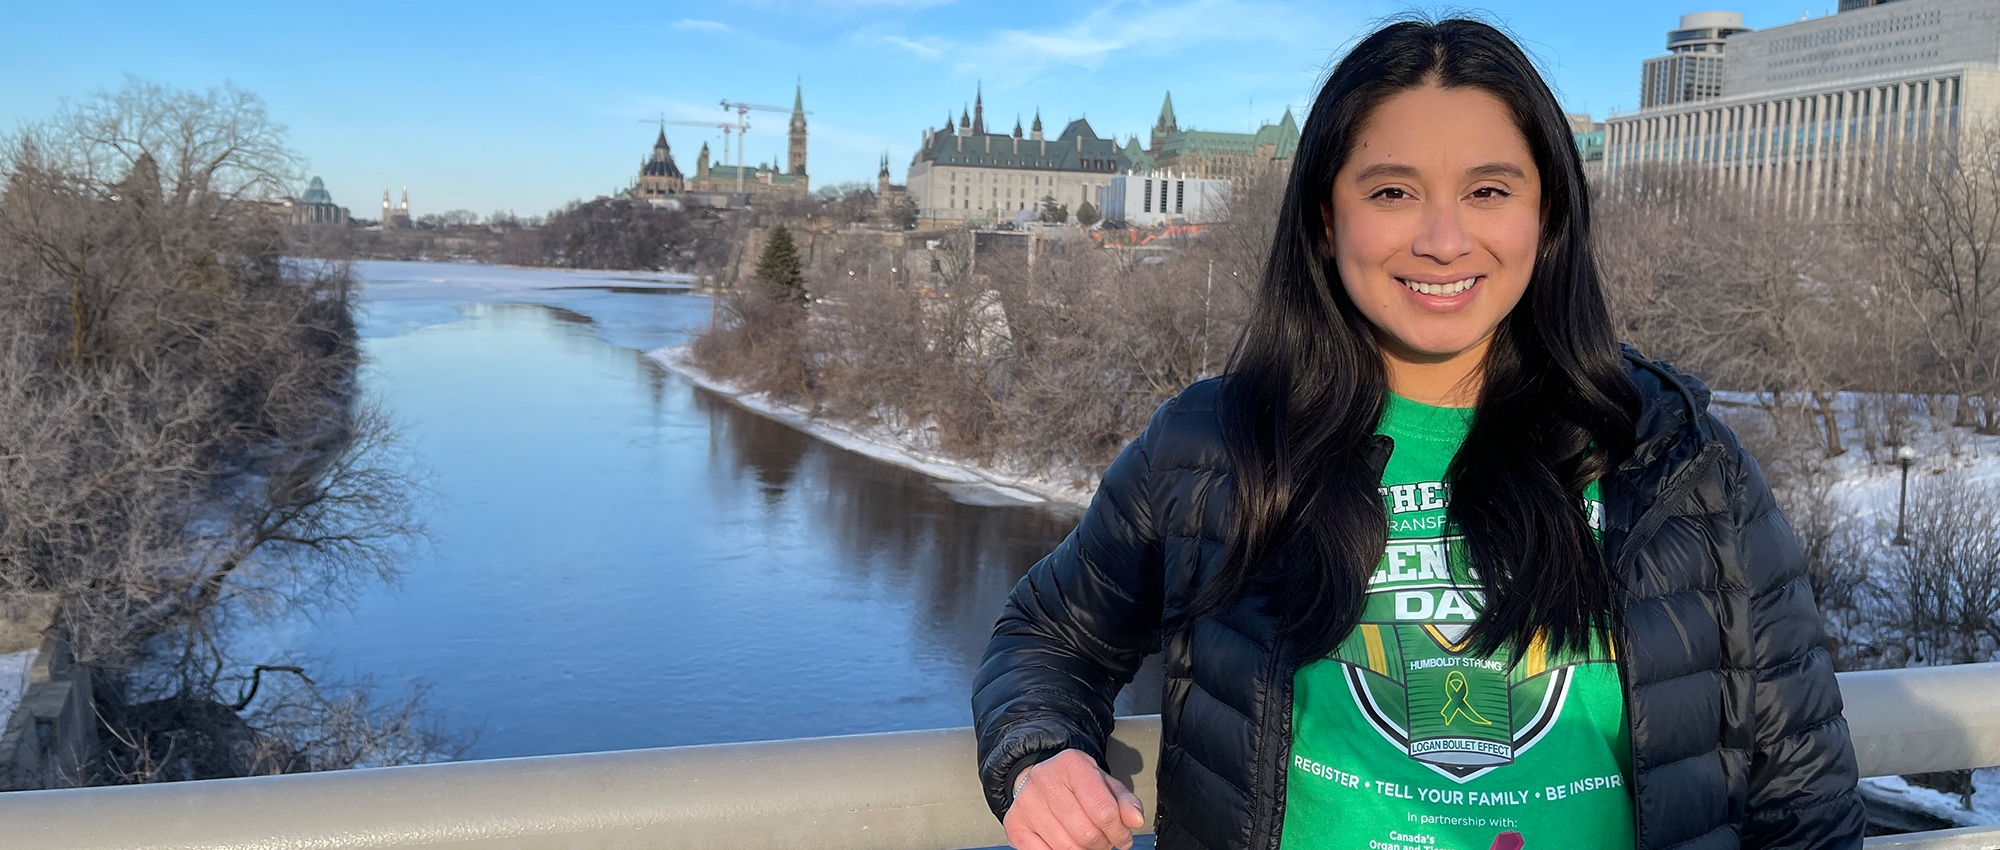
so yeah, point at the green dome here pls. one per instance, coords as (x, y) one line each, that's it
(316, 193)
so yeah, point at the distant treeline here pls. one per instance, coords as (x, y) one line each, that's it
(606, 233)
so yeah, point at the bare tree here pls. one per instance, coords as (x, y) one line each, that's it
(181, 437)
(1935, 221)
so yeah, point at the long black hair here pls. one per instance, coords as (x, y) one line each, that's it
(1306, 387)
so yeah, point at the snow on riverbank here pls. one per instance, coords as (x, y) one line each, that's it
(963, 480)
(1867, 485)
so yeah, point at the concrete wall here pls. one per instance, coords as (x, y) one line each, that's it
(50, 737)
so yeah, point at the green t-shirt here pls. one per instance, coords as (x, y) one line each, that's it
(1403, 740)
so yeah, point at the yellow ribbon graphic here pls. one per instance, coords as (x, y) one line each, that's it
(1456, 704)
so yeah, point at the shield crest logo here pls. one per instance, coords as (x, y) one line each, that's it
(1409, 669)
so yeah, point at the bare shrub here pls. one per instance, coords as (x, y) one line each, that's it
(1042, 352)
(1942, 590)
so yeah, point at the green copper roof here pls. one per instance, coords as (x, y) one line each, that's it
(316, 193)
(1167, 112)
(1283, 137)
(1078, 149)
(1139, 159)
(1284, 134)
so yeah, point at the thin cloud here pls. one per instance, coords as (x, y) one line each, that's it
(924, 50)
(700, 26)
(1014, 56)
(846, 7)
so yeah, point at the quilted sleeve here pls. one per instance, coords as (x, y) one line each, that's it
(1802, 771)
(1074, 630)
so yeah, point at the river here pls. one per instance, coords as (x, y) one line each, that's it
(620, 559)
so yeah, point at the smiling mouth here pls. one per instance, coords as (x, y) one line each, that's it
(1439, 290)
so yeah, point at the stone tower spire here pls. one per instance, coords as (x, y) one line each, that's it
(1036, 133)
(964, 122)
(1166, 125)
(978, 110)
(798, 143)
(1017, 126)
(701, 163)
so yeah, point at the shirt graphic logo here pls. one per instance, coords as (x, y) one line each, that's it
(1409, 671)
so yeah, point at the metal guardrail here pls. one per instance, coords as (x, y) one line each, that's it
(892, 791)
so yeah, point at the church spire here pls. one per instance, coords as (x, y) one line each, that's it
(978, 109)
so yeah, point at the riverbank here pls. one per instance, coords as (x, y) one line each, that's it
(963, 480)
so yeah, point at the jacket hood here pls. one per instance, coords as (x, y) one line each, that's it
(1673, 405)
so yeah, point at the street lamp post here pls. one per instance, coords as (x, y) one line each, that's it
(1904, 454)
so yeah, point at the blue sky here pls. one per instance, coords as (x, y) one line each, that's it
(495, 106)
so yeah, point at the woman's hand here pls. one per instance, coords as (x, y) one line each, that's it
(1067, 803)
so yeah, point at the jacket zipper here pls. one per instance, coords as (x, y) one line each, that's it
(1272, 751)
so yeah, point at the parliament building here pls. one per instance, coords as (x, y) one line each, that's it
(965, 172)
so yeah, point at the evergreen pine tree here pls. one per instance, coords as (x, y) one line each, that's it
(1053, 212)
(1086, 214)
(778, 266)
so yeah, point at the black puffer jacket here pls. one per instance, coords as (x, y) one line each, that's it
(1737, 733)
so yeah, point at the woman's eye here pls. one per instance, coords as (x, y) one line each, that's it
(1486, 192)
(1389, 194)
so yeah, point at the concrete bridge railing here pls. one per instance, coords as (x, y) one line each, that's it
(893, 791)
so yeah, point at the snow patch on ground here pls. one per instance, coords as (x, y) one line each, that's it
(963, 481)
(1869, 484)
(1895, 791)
(13, 681)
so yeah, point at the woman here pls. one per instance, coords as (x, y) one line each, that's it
(1434, 564)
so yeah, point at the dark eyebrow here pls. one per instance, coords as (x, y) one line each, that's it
(1496, 169)
(1384, 169)
(1395, 169)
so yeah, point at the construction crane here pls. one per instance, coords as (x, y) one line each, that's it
(726, 129)
(743, 111)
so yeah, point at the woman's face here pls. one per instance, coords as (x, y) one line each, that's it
(1434, 221)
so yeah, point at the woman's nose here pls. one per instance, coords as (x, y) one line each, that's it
(1443, 237)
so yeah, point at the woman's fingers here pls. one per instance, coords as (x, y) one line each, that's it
(1091, 788)
(1067, 803)
(1133, 811)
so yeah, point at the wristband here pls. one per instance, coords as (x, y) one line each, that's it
(1021, 781)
